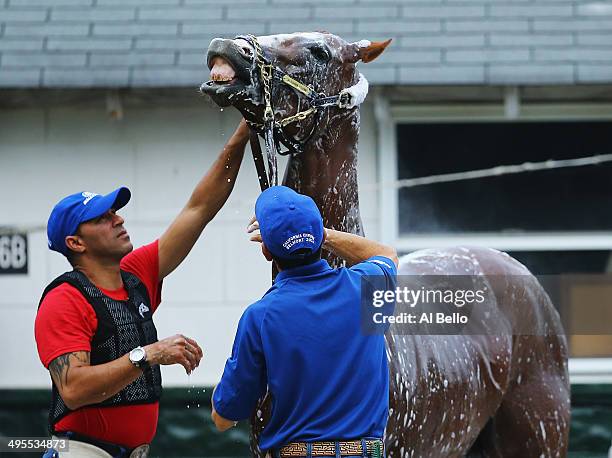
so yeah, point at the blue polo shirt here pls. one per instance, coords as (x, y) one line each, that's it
(328, 380)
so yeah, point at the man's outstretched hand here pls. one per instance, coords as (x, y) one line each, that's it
(177, 349)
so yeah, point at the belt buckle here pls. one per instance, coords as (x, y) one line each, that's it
(142, 451)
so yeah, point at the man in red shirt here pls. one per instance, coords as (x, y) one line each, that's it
(94, 327)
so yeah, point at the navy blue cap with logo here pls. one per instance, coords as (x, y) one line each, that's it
(288, 222)
(79, 208)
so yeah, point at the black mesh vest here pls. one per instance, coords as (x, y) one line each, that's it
(122, 326)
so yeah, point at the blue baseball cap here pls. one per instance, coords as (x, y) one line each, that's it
(288, 222)
(79, 208)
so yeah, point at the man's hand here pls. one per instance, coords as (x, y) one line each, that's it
(177, 349)
(253, 228)
(222, 424)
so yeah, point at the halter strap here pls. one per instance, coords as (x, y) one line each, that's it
(347, 98)
(265, 74)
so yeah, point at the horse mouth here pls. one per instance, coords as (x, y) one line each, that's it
(229, 62)
(222, 71)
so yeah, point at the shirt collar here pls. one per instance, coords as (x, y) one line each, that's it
(303, 271)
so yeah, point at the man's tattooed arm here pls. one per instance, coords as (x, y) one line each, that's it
(60, 367)
(80, 384)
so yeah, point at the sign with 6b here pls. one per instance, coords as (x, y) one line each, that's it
(13, 254)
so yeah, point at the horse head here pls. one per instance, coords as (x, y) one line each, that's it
(301, 90)
(296, 73)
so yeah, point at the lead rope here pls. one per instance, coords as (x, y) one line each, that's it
(265, 71)
(259, 161)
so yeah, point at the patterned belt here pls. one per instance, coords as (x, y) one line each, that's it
(374, 448)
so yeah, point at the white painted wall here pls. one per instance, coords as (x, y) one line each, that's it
(159, 152)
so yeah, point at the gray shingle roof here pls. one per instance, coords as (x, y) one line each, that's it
(122, 43)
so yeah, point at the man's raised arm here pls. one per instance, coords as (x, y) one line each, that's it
(208, 197)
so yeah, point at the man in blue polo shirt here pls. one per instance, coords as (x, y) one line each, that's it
(302, 340)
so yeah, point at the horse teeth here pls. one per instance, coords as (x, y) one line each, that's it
(221, 78)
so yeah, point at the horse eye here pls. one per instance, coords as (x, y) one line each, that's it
(320, 53)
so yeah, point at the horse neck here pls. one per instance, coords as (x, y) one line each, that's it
(327, 171)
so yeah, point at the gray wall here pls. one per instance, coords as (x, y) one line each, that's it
(160, 152)
(68, 43)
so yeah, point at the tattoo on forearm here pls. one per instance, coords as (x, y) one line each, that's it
(59, 369)
(60, 366)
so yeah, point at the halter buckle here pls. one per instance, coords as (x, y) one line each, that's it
(344, 100)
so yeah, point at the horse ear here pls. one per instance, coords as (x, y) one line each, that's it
(368, 51)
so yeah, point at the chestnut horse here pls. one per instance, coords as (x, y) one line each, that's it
(503, 394)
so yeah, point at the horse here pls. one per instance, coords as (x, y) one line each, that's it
(500, 393)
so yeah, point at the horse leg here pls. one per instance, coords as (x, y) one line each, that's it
(534, 417)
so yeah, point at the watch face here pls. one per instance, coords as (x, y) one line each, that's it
(137, 354)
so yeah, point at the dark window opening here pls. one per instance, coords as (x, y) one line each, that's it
(568, 199)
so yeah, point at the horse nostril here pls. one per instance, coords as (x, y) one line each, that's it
(247, 51)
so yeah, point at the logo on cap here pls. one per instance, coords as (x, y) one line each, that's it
(88, 196)
(304, 237)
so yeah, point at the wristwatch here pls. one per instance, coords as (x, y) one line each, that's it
(138, 357)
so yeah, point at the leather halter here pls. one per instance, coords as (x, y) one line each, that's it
(265, 76)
